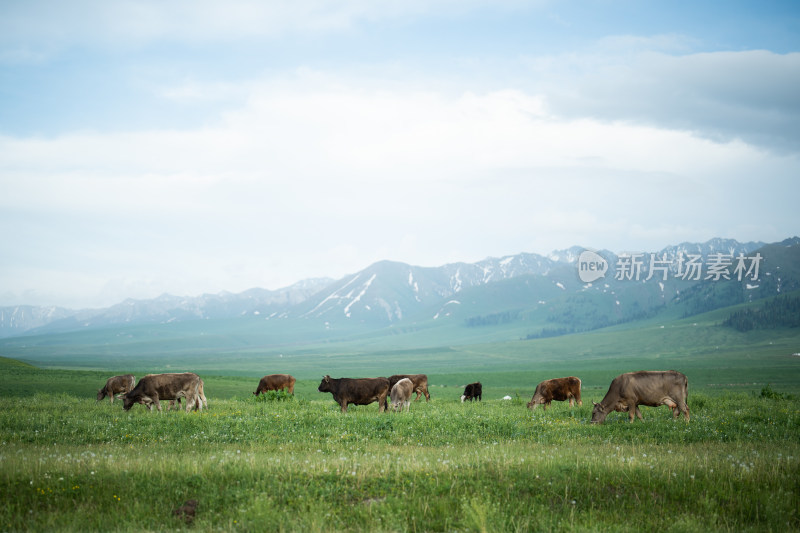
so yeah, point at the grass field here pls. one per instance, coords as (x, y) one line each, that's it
(71, 464)
(68, 463)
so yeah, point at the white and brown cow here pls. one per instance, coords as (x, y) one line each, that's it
(357, 391)
(201, 396)
(652, 388)
(116, 385)
(420, 382)
(558, 389)
(153, 388)
(276, 382)
(401, 394)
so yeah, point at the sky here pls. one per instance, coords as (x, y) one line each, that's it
(195, 146)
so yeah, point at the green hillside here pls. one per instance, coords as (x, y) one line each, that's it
(715, 357)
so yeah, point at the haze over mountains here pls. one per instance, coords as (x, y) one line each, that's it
(522, 287)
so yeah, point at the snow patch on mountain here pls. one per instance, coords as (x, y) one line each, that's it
(355, 300)
(442, 310)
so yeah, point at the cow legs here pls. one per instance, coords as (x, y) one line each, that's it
(383, 403)
(191, 403)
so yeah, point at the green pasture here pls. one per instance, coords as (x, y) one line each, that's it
(714, 357)
(68, 463)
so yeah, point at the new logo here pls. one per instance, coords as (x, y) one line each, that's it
(591, 266)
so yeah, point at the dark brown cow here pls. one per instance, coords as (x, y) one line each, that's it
(472, 391)
(558, 389)
(357, 391)
(420, 382)
(276, 382)
(155, 387)
(401, 394)
(116, 385)
(652, 388)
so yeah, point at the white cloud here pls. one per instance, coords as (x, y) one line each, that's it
(320, 175)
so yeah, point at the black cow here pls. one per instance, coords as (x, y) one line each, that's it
(358, 391)
(472, 391)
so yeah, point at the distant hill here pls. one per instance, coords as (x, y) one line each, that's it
(532, 295)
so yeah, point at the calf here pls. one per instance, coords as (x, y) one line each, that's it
(358, 391)
(276, 382)
(420, 382)
(558, 389)
(155, 387)
(472, 391)
(202, 403)
(652, 388)
(116, 385)
(401, 394)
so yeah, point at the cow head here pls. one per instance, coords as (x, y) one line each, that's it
(325, 386)
(127, 402)
(599, 413)
(101, 393)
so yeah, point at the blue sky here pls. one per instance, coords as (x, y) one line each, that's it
(191, 147)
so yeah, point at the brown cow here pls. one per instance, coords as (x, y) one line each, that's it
(652, 388)
(116, 385)
(420, 382)
(155, 387)
(357, 391)
(472, 391)
(401, 394)
(276, 382)
(558, 389)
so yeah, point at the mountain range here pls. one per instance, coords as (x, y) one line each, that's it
(545, 291)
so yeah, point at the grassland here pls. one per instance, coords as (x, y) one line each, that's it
(68, 463)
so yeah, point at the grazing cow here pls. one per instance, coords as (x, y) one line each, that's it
(401, 394)
(558, 389)
(652, 388)
(155, 387)
(116, 385)
(420, 382)
(357, 391)
(276, 382)
(472, 391)
(203, 403)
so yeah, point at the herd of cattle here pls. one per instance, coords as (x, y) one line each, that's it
(625, 394)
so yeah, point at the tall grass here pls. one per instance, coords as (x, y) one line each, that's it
(71, 464)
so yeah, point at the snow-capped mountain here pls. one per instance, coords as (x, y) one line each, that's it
(389, 293)
(163, 309)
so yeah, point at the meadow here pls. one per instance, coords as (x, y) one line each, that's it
(69, 463)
